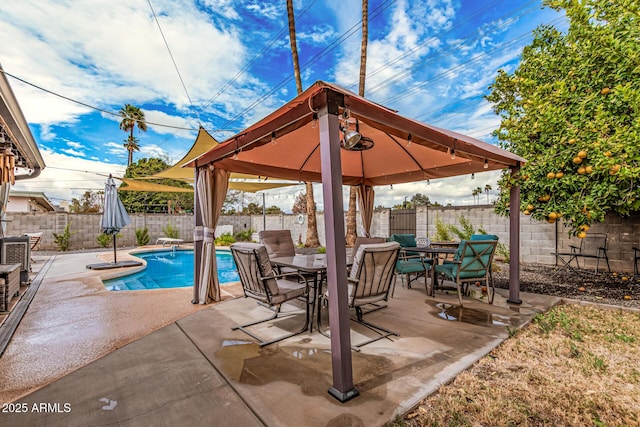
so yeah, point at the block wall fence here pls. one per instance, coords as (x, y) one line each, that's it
(538, 240)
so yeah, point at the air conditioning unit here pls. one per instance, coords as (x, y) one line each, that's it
(17, 250)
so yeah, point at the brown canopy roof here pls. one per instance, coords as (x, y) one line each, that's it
(405, 150)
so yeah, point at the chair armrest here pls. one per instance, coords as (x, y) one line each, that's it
(575, 249)
(279, 276)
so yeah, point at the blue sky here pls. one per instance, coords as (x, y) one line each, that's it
(431, 60)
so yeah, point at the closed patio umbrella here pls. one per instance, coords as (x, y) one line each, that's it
(114, 215)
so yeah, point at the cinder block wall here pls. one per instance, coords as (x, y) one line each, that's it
(538, 240)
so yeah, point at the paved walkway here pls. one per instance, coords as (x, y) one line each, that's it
(194, 370)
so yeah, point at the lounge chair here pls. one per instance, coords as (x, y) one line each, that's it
(260, 281)
(369, 282)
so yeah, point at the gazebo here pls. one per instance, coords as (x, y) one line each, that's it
(330, 135)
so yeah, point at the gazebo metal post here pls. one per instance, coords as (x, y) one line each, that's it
(514, 241)
(342, 388)
(197, 244)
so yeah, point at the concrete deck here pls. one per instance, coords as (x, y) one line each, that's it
(197, 371)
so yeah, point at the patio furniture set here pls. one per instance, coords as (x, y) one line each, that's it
(273, 274)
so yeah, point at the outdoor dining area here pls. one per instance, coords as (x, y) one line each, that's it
(330, 135)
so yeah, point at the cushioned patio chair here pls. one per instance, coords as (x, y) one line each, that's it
(416, 266)
(473, 264)
(278, 243)
(405, 241)
(260, 281)
(369, 282)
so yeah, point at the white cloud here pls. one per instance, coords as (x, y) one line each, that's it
(75, 145)
(67, 177)
(72, 152)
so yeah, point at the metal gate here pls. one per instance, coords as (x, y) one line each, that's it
(402, 221)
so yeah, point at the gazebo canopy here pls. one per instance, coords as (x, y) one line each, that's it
(286, 145)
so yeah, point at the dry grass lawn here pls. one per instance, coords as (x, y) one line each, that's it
(573, 366)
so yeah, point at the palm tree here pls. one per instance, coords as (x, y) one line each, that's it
(131, 144)
(132, 117)
(312, 239)
(350, 238)
(487, 188)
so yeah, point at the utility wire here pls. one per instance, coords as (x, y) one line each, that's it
(170, 54)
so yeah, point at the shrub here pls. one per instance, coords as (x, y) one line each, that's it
(322, 250)
(104, 239)
(225, 240)
(62, 239)
(170, 231)
(442, 231)
(142, 236)
(502, 251)
(244, 236)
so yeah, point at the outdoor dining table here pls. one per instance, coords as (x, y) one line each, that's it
(314, 265)
(446, 249)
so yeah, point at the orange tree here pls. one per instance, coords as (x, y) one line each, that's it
(572, 109)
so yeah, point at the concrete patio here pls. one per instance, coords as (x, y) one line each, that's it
(197, 371)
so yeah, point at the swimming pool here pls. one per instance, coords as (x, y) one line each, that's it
(171, 269)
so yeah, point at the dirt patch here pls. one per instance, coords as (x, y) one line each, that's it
(620, 289)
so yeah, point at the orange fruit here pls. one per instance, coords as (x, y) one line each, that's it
(582, 170)
(607, 153)
(588, 169)
(577, 160)
(605, 90)
(559, 174)
(551, 220)
(582, 154)
(582, 235)
(484, 289)
(529, 207)
(627, 297)
(584, 227)
(614, 169)
(526, 212)
(553, 215)
(572, 141)
(551, 175)
(581, 289)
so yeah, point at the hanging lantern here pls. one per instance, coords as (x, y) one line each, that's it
(7, 166)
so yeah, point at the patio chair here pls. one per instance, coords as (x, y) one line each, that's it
(413, 265)
(369, 281)
(593, 246)
(34, 241)
(278, 243)
(405, 241)
(473, 264)
(360, 240)
(636, 258)
(259, 281)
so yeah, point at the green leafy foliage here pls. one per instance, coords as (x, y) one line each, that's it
(142, 236)
(443, 232)
(104, 239)
(225, 239)
(148, 201)
(466, 228)
(571, 109)
(63, 239)
(171, 232)
(88, 203)
(244, 236)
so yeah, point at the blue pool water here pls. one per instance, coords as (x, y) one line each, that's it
(171, 269)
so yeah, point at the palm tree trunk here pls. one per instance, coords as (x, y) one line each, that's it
(351, 231)
(294, 46)
(312, 239)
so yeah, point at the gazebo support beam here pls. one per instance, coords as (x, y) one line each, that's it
(328, 104)
(514, 241)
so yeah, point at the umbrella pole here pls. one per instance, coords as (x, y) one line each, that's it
(115, 261)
